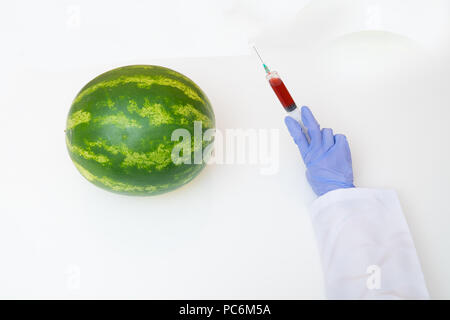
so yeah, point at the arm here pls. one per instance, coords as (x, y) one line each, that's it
(365, 245)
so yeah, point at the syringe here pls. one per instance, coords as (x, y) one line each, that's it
(283, 94)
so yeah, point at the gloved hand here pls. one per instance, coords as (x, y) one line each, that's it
(327, 157)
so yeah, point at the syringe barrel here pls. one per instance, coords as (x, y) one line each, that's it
(281, 91)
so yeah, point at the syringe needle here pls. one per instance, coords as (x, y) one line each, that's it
(257, 53)
(264, 65)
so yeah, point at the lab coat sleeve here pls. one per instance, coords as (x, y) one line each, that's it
(366, 248)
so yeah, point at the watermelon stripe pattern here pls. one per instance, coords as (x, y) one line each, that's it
(119, 129)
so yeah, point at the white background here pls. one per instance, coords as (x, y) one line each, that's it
(377, 71)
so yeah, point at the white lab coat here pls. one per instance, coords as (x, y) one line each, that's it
(366, 248)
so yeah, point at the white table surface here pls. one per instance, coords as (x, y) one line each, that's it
(232, 232)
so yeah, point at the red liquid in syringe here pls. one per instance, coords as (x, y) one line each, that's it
(282, 93)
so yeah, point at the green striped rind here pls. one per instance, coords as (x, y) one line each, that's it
(120, 125)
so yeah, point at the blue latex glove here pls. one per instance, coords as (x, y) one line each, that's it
(327, 157)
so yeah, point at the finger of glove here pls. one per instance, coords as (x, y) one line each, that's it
(341, 144)
(313, 127)
(297, 134)
(327, 138)
(343, 148)
(340, 139)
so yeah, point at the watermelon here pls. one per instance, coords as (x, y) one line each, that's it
(120, 125)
